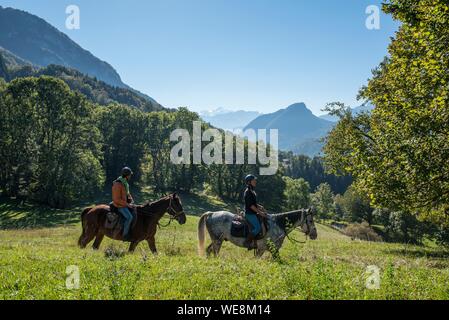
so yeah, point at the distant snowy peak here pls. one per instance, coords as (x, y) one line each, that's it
(228, 119)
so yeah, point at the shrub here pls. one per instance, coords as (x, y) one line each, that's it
(442, 236)
(362, 231)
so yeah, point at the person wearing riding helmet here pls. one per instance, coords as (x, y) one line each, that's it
(122, 199)
(252, 209)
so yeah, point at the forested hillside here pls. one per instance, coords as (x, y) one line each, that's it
(95, 90)
(58, 146)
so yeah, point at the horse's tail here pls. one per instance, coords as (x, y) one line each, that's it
(201, 235)
(83, 224)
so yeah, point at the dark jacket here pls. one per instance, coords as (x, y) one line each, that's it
(250, 199)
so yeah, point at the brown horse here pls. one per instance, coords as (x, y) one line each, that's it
(148, 216)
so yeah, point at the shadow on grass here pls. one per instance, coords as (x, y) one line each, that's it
(15, 214)
(197, 205)
(420, 253)
(193, 204)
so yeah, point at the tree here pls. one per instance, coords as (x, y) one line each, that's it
(339, 207)
(405, 227)
(186, 176)
(442, 236)
(124, 139)
(356, 206)
(399, 155)
(323, 200)
(381, 216)
(296, 193)
(49, 144)
(313, 171)
(270, 191)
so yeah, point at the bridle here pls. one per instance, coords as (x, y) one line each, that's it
(301, 224)
(172, 213)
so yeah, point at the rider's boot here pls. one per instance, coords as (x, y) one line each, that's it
(127, 237)
(251, 242)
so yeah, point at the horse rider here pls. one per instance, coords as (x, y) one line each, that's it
(252, 210)
(122, 199)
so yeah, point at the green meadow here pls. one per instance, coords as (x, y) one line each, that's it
(35, 264)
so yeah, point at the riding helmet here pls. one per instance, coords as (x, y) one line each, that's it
(126, 172)
(250, 178)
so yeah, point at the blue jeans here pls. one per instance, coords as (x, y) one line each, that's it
(254, 221)
(126, 213)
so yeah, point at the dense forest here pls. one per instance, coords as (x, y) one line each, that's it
(313, 171)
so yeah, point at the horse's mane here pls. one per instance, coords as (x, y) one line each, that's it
(283, 214)
(148, 207)
(283, 219)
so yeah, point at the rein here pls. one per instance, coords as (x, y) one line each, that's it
(301, 223)
(166, 225)
(172, 216)
(294, 240)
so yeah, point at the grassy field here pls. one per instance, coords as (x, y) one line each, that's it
(33, 264)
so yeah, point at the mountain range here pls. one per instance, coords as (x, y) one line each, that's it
(93, 89)
(299, 129)
(29, 46)
(31, 40)
(227, 119)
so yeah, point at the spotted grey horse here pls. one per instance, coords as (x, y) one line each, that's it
(218, 225)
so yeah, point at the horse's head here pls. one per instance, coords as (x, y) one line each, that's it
(175, 209)
(308, 226)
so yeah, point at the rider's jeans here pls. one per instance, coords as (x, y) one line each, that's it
(252, 218)
(128, 218)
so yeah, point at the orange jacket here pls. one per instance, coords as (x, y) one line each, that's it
(119, 197)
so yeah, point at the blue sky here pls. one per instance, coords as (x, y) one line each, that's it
(236, 54)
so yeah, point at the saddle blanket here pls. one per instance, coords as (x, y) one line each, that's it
(114, 219)
(240, 228)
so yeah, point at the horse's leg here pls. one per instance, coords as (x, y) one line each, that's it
(87, 236)
(152, 244)
(209, 249)
(259, 252)
(214, 248)
(132, 246)
(81, 241)
(217, 246)
(98, 240)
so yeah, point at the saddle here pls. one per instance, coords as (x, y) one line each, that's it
(240, 227)
(115, 220)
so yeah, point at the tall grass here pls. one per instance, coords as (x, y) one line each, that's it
(33, 266)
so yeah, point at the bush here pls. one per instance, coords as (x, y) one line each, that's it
(404, 227)
(362, 231)
(442, 236)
